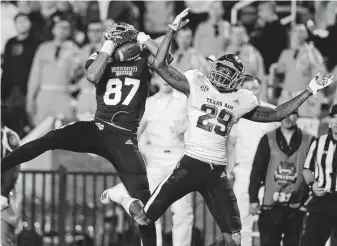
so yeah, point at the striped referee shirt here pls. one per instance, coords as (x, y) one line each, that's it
(322, 160)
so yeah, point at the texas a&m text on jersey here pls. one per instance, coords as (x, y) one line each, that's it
(211, 116)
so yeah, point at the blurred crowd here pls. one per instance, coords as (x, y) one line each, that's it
(44, 46)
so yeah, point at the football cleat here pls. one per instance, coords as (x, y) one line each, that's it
(136, 212)
(105, 199)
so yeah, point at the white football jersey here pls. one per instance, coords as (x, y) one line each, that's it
(211, 117)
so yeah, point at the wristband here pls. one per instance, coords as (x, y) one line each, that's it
(142, 38)
(311, 91)
(108, 47)
(174, 27)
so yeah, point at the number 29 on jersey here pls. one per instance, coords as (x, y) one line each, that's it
(224, 117)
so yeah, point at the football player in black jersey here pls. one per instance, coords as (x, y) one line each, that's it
(121, 92)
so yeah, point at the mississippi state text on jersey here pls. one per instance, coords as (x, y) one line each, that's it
(211, 116)
(121, 93)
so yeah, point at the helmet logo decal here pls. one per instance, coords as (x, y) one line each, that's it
(204, 88)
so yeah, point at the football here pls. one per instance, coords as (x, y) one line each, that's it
(127, 52)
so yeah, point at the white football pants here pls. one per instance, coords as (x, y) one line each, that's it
(161, 163)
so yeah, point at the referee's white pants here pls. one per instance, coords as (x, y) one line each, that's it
(241, 185)
(161, 163)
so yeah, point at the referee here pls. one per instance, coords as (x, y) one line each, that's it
(321, 174)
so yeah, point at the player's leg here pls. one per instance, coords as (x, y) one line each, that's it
(176, 185)
(130, 166)
(81, 136)
(155, 175)
(221, 201)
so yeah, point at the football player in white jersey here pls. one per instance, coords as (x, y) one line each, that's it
(214, 106)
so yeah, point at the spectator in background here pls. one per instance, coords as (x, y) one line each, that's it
(186, 57)
(9, 141)
(243, 141)
(248, 17)
(65, 8)
(251, 57)
(8, 30)
(197, 13)
(271, 37)
(325, 14)
(162, 131)
(325, 40)
(49, 11)
(300, 63)
(111, 11)
(278, 166)
(32, 9)
(211, 36)
(156, 16)
(86, 101)
(321, 174)
(17, 62)
(52, 71)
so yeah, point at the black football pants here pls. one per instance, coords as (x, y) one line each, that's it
(100, 139)
(209, 180)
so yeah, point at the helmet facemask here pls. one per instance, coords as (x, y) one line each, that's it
(224, 76)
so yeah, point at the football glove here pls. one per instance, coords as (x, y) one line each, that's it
(318, 83)
(178, 22)
(121, 33)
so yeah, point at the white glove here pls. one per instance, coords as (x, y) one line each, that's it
(4, 202)
(178, 22)
(318, 83)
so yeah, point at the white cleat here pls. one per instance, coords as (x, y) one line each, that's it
(105, 199)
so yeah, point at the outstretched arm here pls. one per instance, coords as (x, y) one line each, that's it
(265, 114)
(171, 75)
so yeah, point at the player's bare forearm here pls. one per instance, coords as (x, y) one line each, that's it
(266, 114)
(164, 48)
(96, 69)
(151, 46)
(171, 75)
(174, 78)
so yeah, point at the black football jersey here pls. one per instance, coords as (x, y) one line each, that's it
(121, 93)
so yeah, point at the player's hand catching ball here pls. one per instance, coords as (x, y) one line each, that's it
(178, 22)
(120, 33)
(318, 83)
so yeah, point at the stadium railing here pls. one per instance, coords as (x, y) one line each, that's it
(59, 207)
(69, 207)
